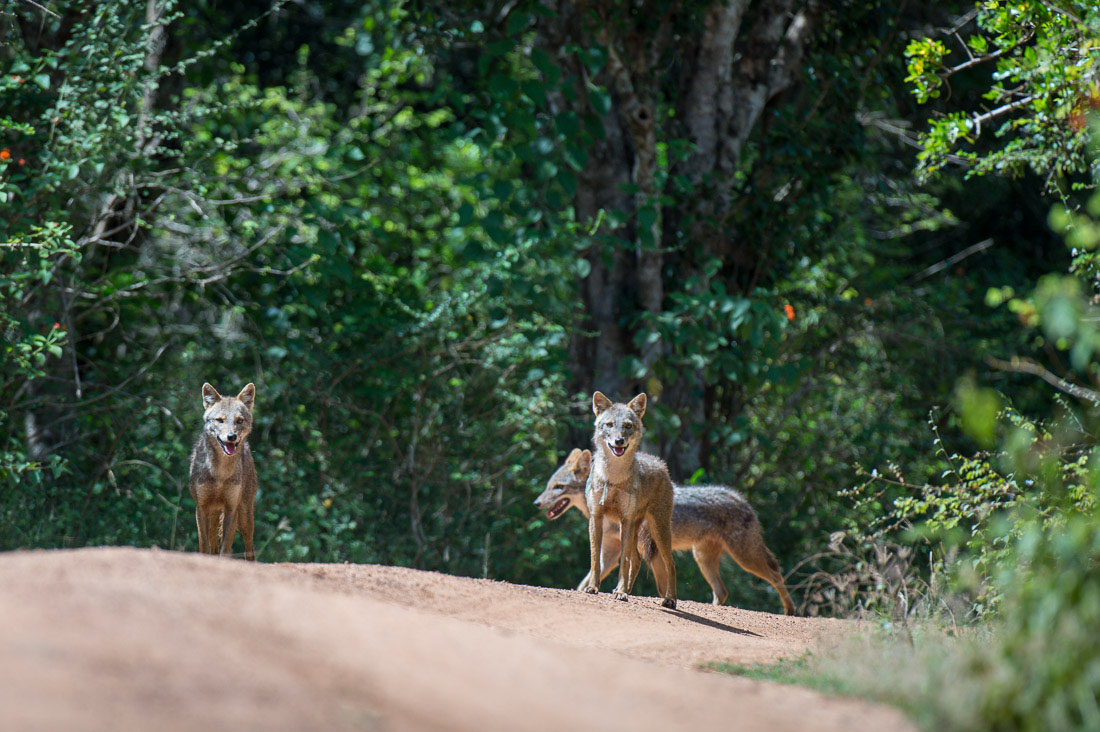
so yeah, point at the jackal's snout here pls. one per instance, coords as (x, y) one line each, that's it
(228, 444)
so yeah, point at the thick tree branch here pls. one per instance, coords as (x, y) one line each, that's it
(979, 119)
(776, 45)
(709, 101)
(1027, 366)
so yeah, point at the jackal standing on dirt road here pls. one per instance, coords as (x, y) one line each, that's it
(710, 520)
(223, 475)
(629, 487)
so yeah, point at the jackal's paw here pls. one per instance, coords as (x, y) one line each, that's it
(590, 590)
(669, 602)
(619, 595)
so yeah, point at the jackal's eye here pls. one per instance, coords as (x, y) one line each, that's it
(627, 427)
(219, 420)
(239, 420)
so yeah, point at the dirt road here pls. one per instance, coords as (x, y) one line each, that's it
(129, 639)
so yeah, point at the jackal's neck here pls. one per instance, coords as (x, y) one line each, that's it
(582, 506)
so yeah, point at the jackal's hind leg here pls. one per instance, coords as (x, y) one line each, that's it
(709, 557)
(662, 537)
(609, 552)
(755, 558)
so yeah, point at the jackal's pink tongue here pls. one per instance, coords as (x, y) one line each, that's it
(229, 449)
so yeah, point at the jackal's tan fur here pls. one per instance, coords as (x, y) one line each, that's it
(628, 487)
(223, 475)
(710, 520)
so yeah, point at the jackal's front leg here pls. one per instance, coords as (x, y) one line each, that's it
(200, 519)
(229, 531)
(595, 548)
(609, 554)
(628, 557)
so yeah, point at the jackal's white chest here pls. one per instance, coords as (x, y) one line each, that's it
(613, 497)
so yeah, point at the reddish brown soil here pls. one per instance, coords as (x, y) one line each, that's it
(129, 639)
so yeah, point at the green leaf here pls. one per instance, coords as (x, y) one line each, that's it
(542, 61)
(600, 100)
(593, 58)
(517, 22)
(503, 87)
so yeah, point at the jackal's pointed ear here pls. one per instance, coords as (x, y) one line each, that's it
(584, 463)
(573, 456)
(637, 405)
(210, 395)
(248, 395)
(599, 403)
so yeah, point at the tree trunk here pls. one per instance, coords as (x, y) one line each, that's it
(727, 79)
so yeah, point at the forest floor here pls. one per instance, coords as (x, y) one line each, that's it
(134, 639)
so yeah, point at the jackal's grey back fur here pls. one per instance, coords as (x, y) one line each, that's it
(703, 511)
(712, 520)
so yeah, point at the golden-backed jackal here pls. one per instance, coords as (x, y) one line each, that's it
(629, 487)
(710, 520)
(223, 476)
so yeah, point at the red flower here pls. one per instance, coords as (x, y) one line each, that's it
(789, 311)
(17, 79)
(5, 154)
(56, 325)
(22, 161)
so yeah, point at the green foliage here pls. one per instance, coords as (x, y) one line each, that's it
(1025, 74)
(925, 673)
(1032, 666)
(925, 56)
(1042, 670)
(369, 211)
(27, 348)
(1016, 533)
(400, 304)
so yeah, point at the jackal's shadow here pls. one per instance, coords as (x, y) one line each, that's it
(710, 623)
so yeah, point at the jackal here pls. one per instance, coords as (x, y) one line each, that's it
(710, 520)
(628, 487)
(223, 476)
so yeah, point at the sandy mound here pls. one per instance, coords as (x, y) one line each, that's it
(120, 639)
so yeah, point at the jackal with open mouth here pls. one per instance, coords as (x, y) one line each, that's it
(710, 520)
(628, 487)
(223, 475)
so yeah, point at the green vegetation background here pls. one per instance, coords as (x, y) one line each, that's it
(370, 211)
